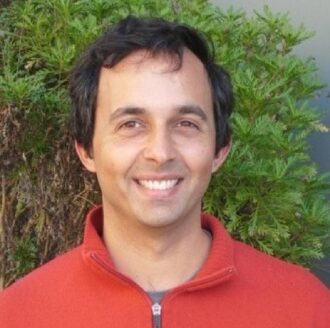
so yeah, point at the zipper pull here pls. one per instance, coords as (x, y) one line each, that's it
(156, 315)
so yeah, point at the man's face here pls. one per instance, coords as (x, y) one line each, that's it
(154, 139)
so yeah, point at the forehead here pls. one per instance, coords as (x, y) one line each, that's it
(146, 80)
(143, 62)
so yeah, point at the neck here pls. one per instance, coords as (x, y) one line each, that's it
(149, 255)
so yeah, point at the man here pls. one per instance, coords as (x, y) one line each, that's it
(150, 117)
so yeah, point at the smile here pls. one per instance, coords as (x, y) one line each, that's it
(158, 184)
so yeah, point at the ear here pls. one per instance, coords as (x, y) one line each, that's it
(221, 156)
(85, 157)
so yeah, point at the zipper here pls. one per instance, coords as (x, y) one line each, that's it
(156, 309)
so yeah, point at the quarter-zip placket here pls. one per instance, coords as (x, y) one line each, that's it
(156, 309)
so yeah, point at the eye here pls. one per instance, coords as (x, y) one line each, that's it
(188, 124)
(130, 125)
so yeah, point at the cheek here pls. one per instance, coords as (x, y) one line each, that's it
(114, 158)
(199, 157)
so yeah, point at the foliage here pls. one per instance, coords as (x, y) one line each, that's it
(268, 194)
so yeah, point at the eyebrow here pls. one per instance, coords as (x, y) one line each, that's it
(193, 109)
(121, 111)
(182, 110)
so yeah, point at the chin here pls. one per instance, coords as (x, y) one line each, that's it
(158, 220)
(164, 216)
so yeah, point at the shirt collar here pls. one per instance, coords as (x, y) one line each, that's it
(218, 266)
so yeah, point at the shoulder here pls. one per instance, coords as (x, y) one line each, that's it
(41, 282)
(257, 270)
(283, 281)
(251, 260)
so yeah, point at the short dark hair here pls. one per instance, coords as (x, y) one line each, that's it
(157, 36)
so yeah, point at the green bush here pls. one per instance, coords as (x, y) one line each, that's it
(268, 193)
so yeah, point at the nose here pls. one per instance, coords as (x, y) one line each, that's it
(159, 147)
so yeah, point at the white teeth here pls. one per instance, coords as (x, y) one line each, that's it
(158, 184)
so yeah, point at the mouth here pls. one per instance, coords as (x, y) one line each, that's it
(159, 185)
